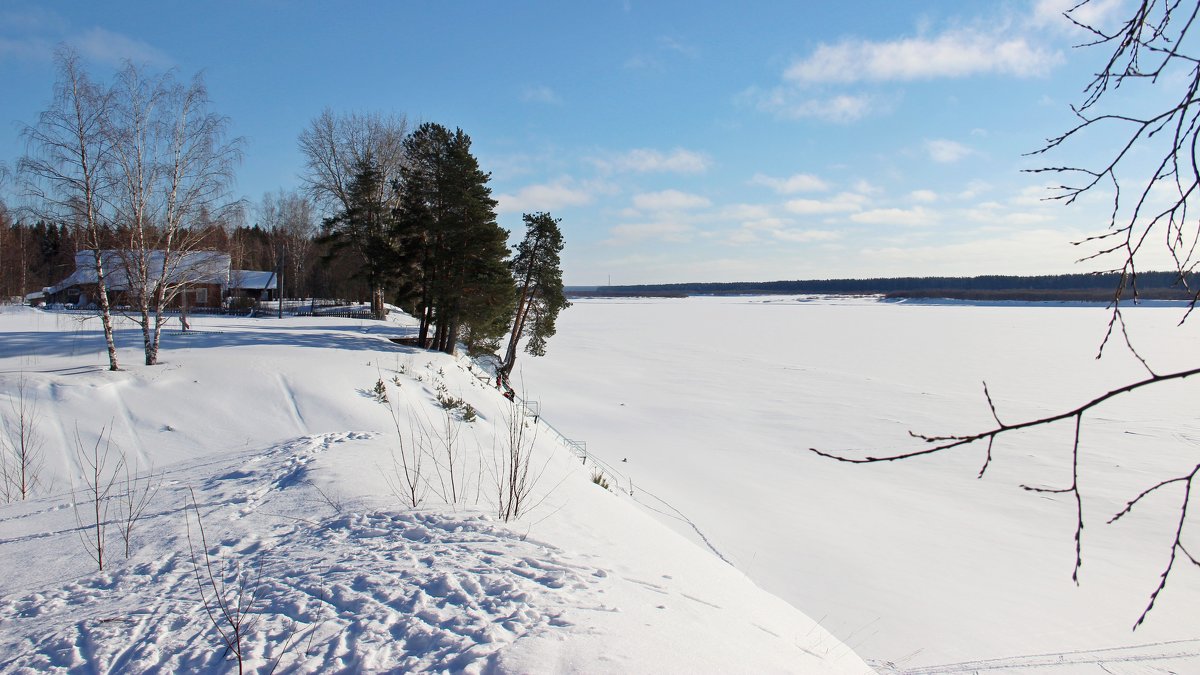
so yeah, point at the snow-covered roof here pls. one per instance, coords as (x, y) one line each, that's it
(253, 280)
(196, 267)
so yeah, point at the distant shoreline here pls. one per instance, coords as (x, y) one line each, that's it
(1048, 288)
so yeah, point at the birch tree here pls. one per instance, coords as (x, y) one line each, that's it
(289, 217)
(63, 170)
(337, 148)
(170, 172)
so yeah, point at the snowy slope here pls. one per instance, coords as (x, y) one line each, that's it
(714, 402)
(267, 435)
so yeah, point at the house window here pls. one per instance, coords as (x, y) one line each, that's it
(201, 296)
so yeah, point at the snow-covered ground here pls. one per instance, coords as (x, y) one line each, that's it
(708, 406)
(267, 434)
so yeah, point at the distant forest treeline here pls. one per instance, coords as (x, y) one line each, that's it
(1082, 287)
(33, 256)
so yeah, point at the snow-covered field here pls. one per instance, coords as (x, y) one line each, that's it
(267, 434)
(708, 406)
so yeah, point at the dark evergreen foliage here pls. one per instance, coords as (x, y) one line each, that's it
(537, 270)
(452, 251)
(366, 227)
(33, 256)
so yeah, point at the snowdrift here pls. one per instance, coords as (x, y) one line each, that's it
(277, 494)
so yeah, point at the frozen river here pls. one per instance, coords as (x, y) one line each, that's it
(711, 405)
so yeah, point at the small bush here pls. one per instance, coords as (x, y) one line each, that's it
(599, 479)
(466, 411)
(380, 391)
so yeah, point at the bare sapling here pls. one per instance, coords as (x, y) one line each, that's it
(22, 445)
(513, 468)
(137, 491)
(407, 480)
(229, 593)
(443, 438)
(93, 498)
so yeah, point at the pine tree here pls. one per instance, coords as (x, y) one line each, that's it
(366, 226)
(452, 249)
(540, 297)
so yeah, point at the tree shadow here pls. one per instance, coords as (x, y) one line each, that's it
(343, 336)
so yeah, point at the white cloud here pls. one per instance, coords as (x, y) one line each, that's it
(946, 151)
(913, 217)
(540, 94)
(800, 182)
(544, 197)
(770, 223)
(844, 202)
(644, 160)
(745, 212)
(974, 189)
(866, 188)
(1096, 13)
(1034, 195)
(957, 52)
(669, 200)
(805, 236)
(679, 47)
(105, 46)
(985, 214)
(662, 230)
(666, 47)
(923, 196)
(1027, 252)
(791, 103)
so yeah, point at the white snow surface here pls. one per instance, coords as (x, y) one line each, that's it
(710, 406)
(270, 426)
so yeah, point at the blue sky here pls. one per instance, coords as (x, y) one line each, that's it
(677, 142)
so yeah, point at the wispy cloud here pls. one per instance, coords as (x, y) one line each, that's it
(661, 230)
(805, 236)
(839, 81)
(845, 202)
(954, 53)
(545, 197)
(105, 46)
(923, 196)
(666, 48)
(540, 94)
(644, 160)
(670, 200)
(914, 217)
(789, 102)
(945, 151)
(799, 182)
(673, 44)
(1097, 13)
(33, 35)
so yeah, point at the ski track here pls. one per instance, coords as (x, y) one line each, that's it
(370, 591)
(130, 428)
(293, 407)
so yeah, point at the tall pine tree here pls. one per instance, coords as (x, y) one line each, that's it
(537, 271)
(451, 246)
